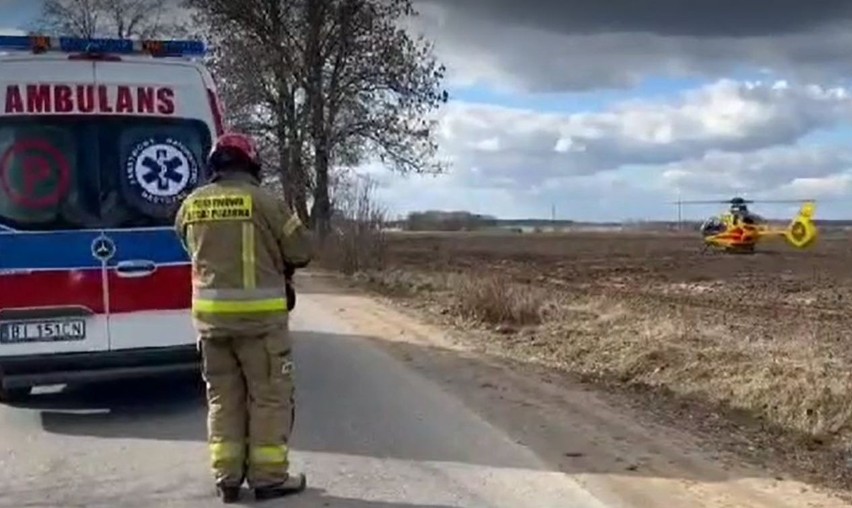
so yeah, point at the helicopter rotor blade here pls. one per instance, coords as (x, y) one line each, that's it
(742, 201)
(783, 200)
(701, 202)
(710, 202)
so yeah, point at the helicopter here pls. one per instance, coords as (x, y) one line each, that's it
(739, 230)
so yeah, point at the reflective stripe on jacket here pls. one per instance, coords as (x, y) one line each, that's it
(241, 239)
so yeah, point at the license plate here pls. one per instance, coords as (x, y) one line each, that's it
(42, 331)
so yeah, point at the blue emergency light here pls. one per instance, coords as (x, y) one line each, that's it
(158, 48)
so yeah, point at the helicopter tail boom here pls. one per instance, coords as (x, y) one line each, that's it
(801, 233)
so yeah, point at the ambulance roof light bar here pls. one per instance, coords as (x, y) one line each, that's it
(157, 48)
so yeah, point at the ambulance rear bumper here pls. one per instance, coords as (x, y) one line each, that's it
(72, 368)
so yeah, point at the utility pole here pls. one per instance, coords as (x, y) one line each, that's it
(679, 215)
(679, 210)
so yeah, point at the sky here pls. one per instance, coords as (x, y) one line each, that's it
(612, 110)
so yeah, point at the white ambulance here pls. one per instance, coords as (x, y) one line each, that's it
(100, 140)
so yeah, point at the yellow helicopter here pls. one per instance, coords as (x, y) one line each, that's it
(739, 230)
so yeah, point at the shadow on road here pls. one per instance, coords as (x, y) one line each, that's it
(314, 498)
(172, 408)
(399, 402)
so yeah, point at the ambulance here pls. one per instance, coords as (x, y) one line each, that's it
(100, 140)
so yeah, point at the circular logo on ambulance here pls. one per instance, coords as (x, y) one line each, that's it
(161, 172)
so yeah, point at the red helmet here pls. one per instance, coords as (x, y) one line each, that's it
(234, 149)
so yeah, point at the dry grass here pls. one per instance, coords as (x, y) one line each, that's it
(353, 248)
(492, 299)
(782, 382)
(358, 242)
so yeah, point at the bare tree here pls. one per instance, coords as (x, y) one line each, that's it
(256, 63)
(110, 18)
(330, 82)
(358, 240)
(370, 88)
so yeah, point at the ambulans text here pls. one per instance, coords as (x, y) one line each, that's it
(89, 99)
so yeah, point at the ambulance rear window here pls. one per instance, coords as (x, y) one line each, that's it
(61, 173)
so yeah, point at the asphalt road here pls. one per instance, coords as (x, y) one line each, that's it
(370, 433)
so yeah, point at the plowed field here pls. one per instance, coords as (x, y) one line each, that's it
(778, 283)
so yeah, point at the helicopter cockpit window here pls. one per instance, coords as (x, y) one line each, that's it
(712, 226)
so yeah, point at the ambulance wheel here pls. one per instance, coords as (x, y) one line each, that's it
(15, 394)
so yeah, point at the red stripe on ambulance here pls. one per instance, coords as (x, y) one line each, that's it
(54, 288)
(89, 99)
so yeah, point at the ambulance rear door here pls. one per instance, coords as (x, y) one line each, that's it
(52, 250)
(161, 130)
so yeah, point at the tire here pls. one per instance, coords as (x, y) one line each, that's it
(15, 394)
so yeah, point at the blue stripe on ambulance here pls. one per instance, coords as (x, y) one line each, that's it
(68, 250)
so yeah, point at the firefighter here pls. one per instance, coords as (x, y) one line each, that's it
(245, 244)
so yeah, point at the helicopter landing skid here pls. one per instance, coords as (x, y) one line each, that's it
(715, 250)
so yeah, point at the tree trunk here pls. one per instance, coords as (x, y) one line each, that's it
(300, 188)
(298, 181)
(322, 205)
(285, 168)
(321, 210)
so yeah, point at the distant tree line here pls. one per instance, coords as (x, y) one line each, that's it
(435, 220)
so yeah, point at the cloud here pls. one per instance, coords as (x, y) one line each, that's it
(443, 192)
(519, 149)
(832, 186)
(727, 136)
(11, 31)
(629, 160)
(579, 45)
(784, 168)
(704, 18)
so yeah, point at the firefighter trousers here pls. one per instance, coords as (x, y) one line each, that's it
(251, 407)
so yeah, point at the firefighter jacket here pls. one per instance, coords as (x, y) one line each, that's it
(242, 240)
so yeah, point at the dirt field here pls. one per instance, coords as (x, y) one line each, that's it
(752, 350)
(655, 265)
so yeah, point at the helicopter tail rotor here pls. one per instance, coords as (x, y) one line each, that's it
(802, 232)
